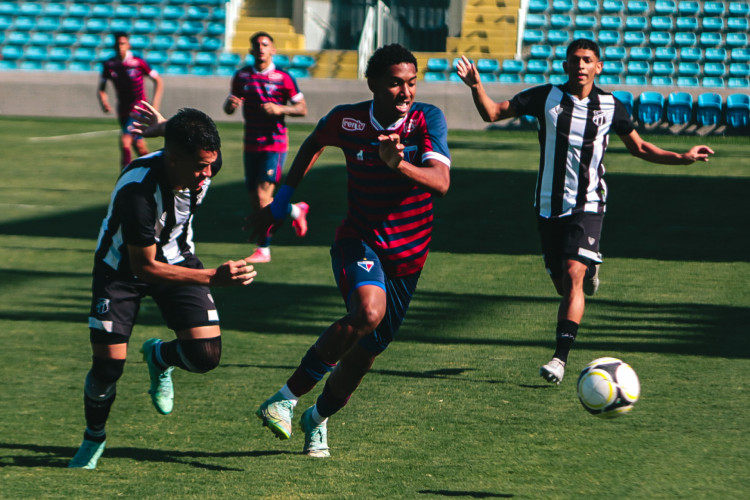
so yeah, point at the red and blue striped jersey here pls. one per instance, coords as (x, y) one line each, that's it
(385, 209)
(264, 132)
(127, 76)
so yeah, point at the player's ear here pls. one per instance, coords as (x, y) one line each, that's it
(599, 66)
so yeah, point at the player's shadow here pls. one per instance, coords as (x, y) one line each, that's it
(469, 494)
(59, 456)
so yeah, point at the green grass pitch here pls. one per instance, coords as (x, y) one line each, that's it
(455, 407)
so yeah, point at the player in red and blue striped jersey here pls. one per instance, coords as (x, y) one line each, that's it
(397, 159)
(127, 72)
(267, 95)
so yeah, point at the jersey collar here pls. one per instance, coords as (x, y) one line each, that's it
(271, 67)
(378, 126)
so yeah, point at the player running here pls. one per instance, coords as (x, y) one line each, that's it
(267, 95)
(397, 159)
(570, 197)
(127, 72)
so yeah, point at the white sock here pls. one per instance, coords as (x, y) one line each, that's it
(317, 418)
(295, 211)
(287, 394)
(266, 251)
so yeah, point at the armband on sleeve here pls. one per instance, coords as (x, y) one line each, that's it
(281, 205)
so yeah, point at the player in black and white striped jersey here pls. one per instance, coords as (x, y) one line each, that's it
(145, 248)
(570, 198)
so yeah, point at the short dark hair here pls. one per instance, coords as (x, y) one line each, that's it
(118, 34)
(190, 131)
(254, 38)
(585, 44)
(387, 56)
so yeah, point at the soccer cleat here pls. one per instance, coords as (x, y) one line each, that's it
(591, 284)
(87, 455)
(553, 371)
(300, 223)
(276, 414)
(259, 256)
(316, 436)
(162, 389)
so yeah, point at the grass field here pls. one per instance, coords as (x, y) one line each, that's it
(453, 409)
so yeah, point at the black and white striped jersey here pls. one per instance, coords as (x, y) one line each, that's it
(145, 210)
(573, 136)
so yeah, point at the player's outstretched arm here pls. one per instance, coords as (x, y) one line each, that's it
(148, 121)
(654, 154)
(489, 110)
(433, 176)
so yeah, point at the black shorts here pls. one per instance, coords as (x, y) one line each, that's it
(573, 237)
(115, 304)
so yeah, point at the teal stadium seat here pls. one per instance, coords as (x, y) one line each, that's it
(63, 39)
(712, 82)
(636, 23)
(53, 66)
(738, 110)
(534, 79)
(712, 24)
(739, 70)
(737, 24)
(632, 38)
(687, 23)
(18, 38)
(126, 11)
(60, 54)
(24, 23)
(536, 20)
(5, 22)
(685, 39)
(560, 52)
(162, 42)
(714, 69)
(660, 38)
(512, 66)
(210, 44)
(688, 8)
(738, 83)
(615, 52)
(124, 25)
(708, 109)
(610, 80)
(538, 5)
(686, 68)
(488, 65)
(435, 76)
(205, 59)
(180, 58)
(691, 54)
(688, 81)
(711, 39)
(562, 5)
(665, 54)
(96, 25)
(714, 54)
(558, 78)
(541, 51)
(79, 66)
(637, 7)
(740, 55)
(641, 54)
(140, 42)
(53, 9)
(662, 81)
(156, 57)
(90, 40)
(737, 40)
(30, 9)
(437, 64)
(229, 59)
(613, 68)
(679, 108)
(558, 37)
(611, 22)
(557, 66)
(8, 8)
(641, 68)
(218, 14)
(509, 78)
(584, 34)
(148, 12)
(35, 53)
(201, 70)
(215, 29)
(48, 24)
(626, 98)
(145, 27)
(538, 66)
(635, 80)
(172, 12)
(188, 43)
(488, 77)
(713, 8)
(663, 68)
(38, 38)
(249, 60)
(561, 21)
(282, 61)
(661, 23)
(79, 10)
(303, 61)
(198, 13)
(665, 7)
(191, 28)
(588, 6)
(613, 6)
(739, 8)
(650, 108)
(531, 37)
(585, 22)
(176, 70)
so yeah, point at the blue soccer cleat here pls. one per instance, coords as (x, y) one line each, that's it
(316, 436)
(87, 455)
(162, 389)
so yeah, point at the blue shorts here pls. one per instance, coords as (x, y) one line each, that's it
(263, 166)
(355, 264)
(125, 123)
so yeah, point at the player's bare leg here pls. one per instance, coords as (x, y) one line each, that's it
(259, 198)
(126, 143)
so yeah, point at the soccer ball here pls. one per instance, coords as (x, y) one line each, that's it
(608, 387)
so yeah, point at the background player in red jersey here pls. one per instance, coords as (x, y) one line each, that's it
(126, 72)
(267, 95)
(397, 159)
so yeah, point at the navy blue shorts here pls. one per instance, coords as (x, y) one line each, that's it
(355, 264)
(573, 237)
(263, 166)
(115, 304)
(125, 123)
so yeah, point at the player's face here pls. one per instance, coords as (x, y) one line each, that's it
(122, 46)
(582, 66)
(394, 93)
(263, 51)
(191, 170)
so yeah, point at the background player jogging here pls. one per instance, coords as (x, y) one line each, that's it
(570, 197)
(127, 72)
(266, 94)
(397, 159)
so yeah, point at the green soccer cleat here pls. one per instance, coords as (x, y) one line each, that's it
(276, 414)
(316, 436)
(162, 389)
(87, 455)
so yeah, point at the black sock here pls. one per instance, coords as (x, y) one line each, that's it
(96, 413)
(565, 336)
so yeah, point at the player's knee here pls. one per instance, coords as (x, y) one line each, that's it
(102, 378)
(368, 316)
(200, 355)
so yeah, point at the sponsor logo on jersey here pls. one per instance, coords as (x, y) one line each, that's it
(409, 126)
(366, 264)
(600, 117)
(352, 125)
(102, 306)
(275, 76)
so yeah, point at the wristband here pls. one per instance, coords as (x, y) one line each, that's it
(281, 206)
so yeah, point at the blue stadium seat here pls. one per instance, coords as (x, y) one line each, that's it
(611, 22)
(660, 38)
(636, 23)
(688, 81)
(685, 68)
(714, 54)
(282, 61)
(180, 58)
(634, 38)
(512, 66)
(5, 22)
(63, 39)
(483, 65)
(541, 51)
(560, 52)
(665, 53)
(53, 66)
(173, 12)
(585, 22)
(126, 11)
(557, 66)
(38, 38)
(613, 67)
(200, 70)
(210, 44)
(538, 5)
(167, 27)
(79, 66)
(685, 39)
(18, 38)
(688, 8)
(149, 12)
(738, 83)
(205, 59)
(533, 36)
(536, 20)
(511, 78)
(534, 79)
(737, 24)
(8, 8)
(437, 64)
(177, 69)
(215, 29)
(558, 37)
(60, 54)
(162, 42)
(218, 14)
(35, 53)
(613, 6)
(485, 77)
(249, 60)
(305, 61)
(105, 53)
(641, 54)
(588, 6)
(140, 42)
(188, 43)
(662, 81)
(558, 79)
(145, 26)
(638, 7)
(537, 66)
(609, 37)
(663, 68)
(679, 108)
(737, 40)
(30, 9)
(197, 13)
(711, 39)
(714, 69)
(53, 9)
(584, 34)
(48, 24)
(616, 52)
(712, 23)
(661, 23)
(191, 27)
(712, 81)
(638, 68)
(739, 55)
(739, 70)
(687, 23)
(96, 25)
(24, 23)
(691, 54)
(650, 108)
(30, 65)
(738, 110)
(708, 109)
(229, 59)
(739, 8)
(102, 10)
(124, 25)
(665, 7)
(156, 57)
(6, 64)
(713, 8)
(560, 21)
(84, 54)
(562, 5)
(610, 80)
(90, 40)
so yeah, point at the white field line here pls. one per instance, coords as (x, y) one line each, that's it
(82, 135)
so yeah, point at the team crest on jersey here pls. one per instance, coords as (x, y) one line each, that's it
(366, 264)
(409, 127)
(133, 72)
(102, 306)
(352, 125)
(592, 240)
(600, 117)
(410, 153)
(270, 87)
(361, 155)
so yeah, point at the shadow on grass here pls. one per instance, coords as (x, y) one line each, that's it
(470, 494)
(59, 456)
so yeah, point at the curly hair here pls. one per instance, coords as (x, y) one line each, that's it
(387, 56)
(190, 131)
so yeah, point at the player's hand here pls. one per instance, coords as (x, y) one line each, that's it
(232, 103)
(699, 153)
(105, 106)
(148, 121)
(272, 109)
(234, 273)
(468, 72)
(261, 224)
(391, 150)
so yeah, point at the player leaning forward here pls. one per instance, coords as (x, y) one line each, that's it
(145, 248)
(575, 120)
(397, 159)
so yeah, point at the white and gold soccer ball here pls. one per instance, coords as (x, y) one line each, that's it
(608, 387)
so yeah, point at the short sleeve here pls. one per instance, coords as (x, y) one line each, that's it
(137, 210)
(622, 124)
(530, 101)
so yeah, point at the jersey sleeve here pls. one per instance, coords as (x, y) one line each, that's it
(324, 132)
(293, 91)
(138, 212)
(622, 124)
(436, 136)
(530, 101)
(235, 87)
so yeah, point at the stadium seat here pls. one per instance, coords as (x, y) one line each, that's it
(679, 108)
(6, 64)
(688, 81)
(713, 8)
(738, 110)
(48, 24)
(661, 23)
(739, 70)
(282, 61)
(641, 54)
(229, 59)
(691, 54)
(739, 8)
(53, 66)
(611, 22)
(610, 80)
(557, 78)
(148, 12)
(60, 54)
(636, 23)
(663, 68)
(483, 65)
(737, 40)
(191, 27)
(538, 5)
(531, 37)
(541, 51)
(562, 5)
(249, 60)
(145, 27)
(557, 66)
(84, 54)
(738, 83)
(167, 27)
(662, 81)
(218, 14)
(616, 52)
(716, 55)
(176, 69)
(512, 66)
(210, 44)
(197, 12)
(205, 59)
(634, 38)
(588, 6)
(686, 8)
(38, 38)
(585, 22)
(536, 20)
(560, 21)
(18, 38)
(687, 23)
(638, 68)
(665, 7)
(712, 24)
(79, 66)
(708, 109)
(140, 42)
(437, 64)
(180, 58)
(609, 37)
(188, 43)
(35, 53)
(485, 77)
(660, 38)
(435, 76)
(584, 34)
(737, 24)
(156, 57)
(685, 68)
(534, 79)
(173, 12)
(665, 54)
(511, 78)
(712, 81)
(215, 29)
(8, 8)
(560, 52)
(90, 40)
(30, 65)
(613, 68)
(5, 22)
(63, 39)
(637, 7)
(739, 55)
(540, 66)
(96, 25)
(30, 9)
(613, 6)
(711, 39)
(558, 37)
(650, 108)
(24, 23)
(162, 42)
(685, 39)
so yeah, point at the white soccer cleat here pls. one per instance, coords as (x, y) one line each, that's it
(554, 371)
(591, 284)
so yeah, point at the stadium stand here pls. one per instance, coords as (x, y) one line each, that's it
(679, 108)
(650, 108)
(738, 111)
(709, 108)
(626, 98)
